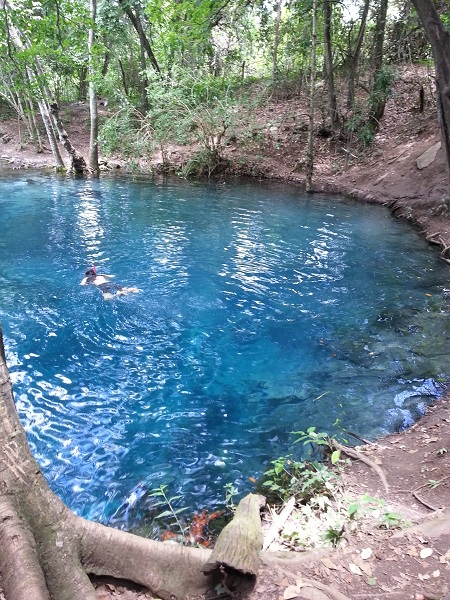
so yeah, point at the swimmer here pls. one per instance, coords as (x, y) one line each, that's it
(109, 289)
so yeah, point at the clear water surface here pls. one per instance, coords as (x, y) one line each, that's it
(262, 312)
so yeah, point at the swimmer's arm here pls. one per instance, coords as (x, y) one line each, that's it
(83, 281)
(104, 275)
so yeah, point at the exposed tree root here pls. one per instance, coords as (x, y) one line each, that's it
(335, 594)
(22, 575)
(357, 437)
(426, 504)
(357, 455)
(430, 238)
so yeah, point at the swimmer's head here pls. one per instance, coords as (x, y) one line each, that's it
(91, 272)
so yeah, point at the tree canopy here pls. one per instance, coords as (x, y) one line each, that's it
(161, 64)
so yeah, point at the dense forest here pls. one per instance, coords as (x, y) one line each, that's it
(189, 71)
(192, 72)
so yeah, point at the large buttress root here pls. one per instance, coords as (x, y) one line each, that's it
(22, 576)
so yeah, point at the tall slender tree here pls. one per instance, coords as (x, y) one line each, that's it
(379, 93)
(93, 108)
(328, 64)
(439, 39)
(353, 54)
(312, 101)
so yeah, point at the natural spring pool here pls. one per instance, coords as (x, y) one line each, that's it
(262, 312)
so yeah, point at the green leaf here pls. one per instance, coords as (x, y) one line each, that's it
(335, 456)
(179, 510)
(173, 498)
(166, 513)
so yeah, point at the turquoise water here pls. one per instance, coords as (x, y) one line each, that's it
(262, 312)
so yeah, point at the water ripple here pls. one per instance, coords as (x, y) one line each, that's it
(261, 313)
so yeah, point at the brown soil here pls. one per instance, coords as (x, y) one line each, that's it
(412, 562)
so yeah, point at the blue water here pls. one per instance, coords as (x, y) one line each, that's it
(262, 312)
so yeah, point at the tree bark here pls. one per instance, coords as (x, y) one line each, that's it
(312, 100)
(353, 56)
(329, 69)
(379, 95)
(143, 75)
(240, 543)
(276, 43)
(93, 109)
(439, 39)
(136, 22)
(48, 552)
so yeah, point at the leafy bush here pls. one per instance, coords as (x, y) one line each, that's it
(124, 132)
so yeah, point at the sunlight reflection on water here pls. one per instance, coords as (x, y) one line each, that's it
(261, 312)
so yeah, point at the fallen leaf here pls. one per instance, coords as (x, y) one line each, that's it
(436, 573)
(426, 552)
(366, 553)
(366, 569)
(291, 592)
(354, 569)
(412, 551)
(423, 577)
(372, 581)
(329, 564)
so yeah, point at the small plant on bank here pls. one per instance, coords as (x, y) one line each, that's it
(375, 508)
(302, 479)
(323, 515)
(319, 442)
(307, 479)
(171, 513)
(230, 492)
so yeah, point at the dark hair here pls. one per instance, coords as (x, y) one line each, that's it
(90, 272)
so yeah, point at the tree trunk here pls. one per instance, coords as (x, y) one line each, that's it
(276, 43)
(123, 77)
(439, 39)
(143, 75)
(353, 56)
(329, 70)
(232, 550)
(379, 94)
(136, 22)
(82, 86)
(93, 109)
(48, 552)
(312, 100)
(45, 116)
